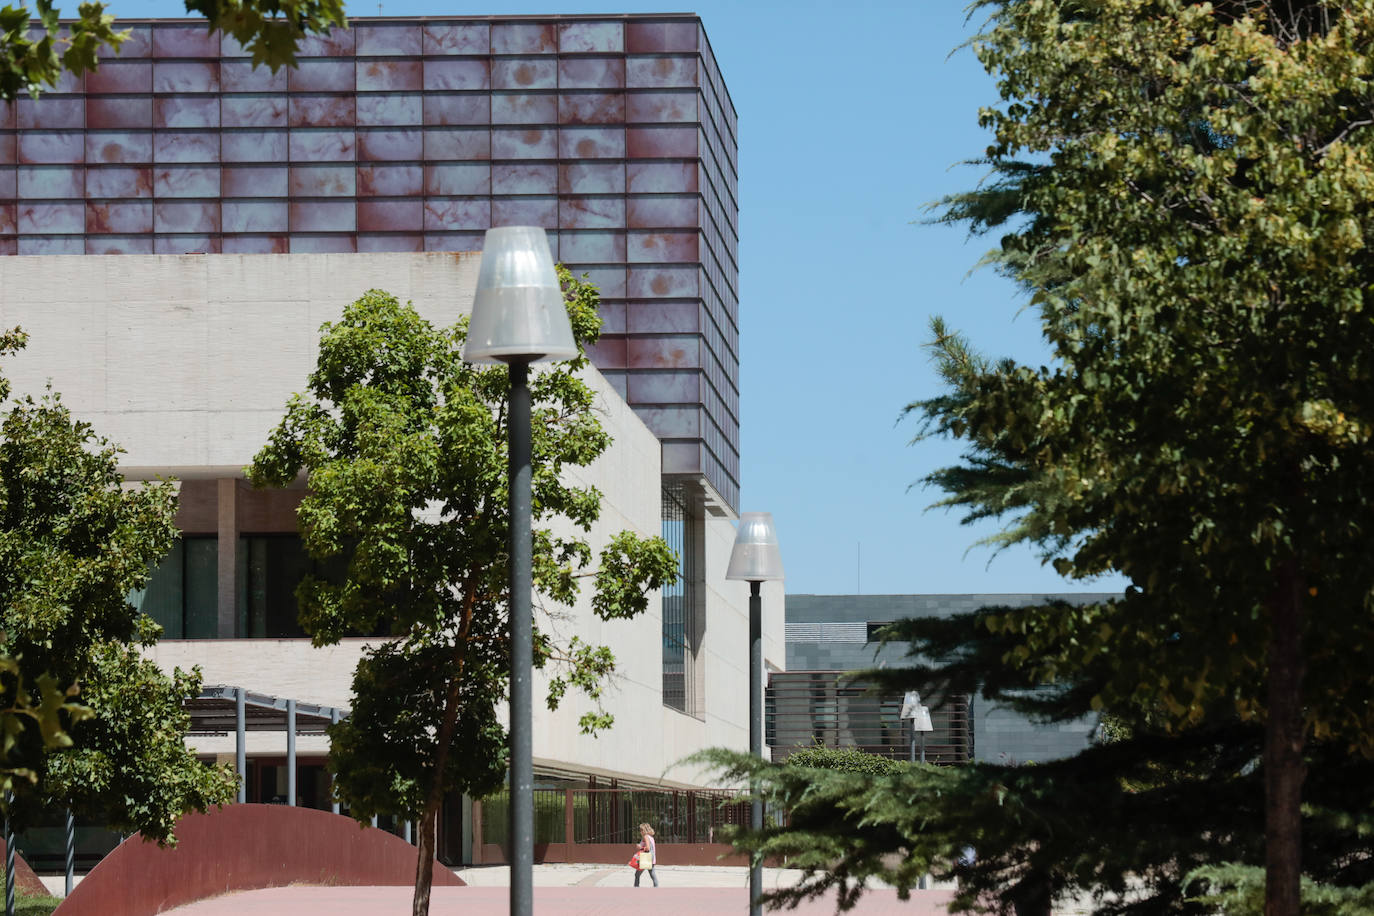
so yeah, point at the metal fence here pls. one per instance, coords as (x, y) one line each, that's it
(614, 815)
(819, 708)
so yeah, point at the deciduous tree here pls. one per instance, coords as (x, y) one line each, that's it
(404, 450)
(74, 542)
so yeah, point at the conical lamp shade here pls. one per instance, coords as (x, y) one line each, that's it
(755, 556)
(518, 313)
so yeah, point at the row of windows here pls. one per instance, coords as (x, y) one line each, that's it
(183, 593)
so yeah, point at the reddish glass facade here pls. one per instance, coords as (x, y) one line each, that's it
(614, 133)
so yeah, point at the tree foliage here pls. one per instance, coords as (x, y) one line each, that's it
(1130, 827)
(404, 449)
(1239, 891)
(1184, 191)
(32, 58)
(1188, 210)
(104, 736)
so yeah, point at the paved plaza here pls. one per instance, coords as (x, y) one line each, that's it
(563, 890)
(548, 901)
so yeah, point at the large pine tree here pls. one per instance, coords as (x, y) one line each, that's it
(1185, 191)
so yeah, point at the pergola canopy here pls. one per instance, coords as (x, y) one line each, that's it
(214, 712)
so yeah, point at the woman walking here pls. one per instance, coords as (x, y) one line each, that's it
(647, 854)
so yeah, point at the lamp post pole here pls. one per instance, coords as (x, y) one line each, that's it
(755, 559)
(755, 732)
(521, 649)
(518, 318)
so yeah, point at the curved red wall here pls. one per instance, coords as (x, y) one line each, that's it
(240, 847)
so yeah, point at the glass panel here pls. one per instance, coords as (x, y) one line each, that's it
(255, 587)
(674, 606)
(286, 566)
(161, 598)
(201, 597)
(241, 590)
(276, 566)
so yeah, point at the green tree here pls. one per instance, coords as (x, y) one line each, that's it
(1134, 823)
(25, 715)
(404, 450)
(1184, 191)
(30, 60)
(74, 542)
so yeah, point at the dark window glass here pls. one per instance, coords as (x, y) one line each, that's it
(202, 588)
(680, 624)
(182, 594)
(161, 598)
(271, 567)
(275, 566)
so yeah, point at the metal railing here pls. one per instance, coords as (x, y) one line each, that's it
(817, 708)
(614, 815)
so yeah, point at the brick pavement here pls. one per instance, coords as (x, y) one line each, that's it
(548, 901)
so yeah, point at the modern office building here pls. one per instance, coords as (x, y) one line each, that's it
(614, 133)
(827, 634)
(222, 213)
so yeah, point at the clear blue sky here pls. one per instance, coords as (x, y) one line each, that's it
(852, 117)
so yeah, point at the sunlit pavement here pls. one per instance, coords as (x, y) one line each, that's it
(569, 875)
(548, 901)
(563, 890)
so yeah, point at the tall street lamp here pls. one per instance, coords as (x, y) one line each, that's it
(518, 318)
(919, 714)
(920, 721)
(755, 559)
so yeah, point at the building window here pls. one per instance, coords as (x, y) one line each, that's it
(182, 594)
(682, 617)
(271, 567)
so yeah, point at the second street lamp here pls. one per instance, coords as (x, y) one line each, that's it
(755, 559)
(519, 318)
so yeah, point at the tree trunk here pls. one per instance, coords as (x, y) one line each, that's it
(1033, 896)
(1283, 747)
(424, 868)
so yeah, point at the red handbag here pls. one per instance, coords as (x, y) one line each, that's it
(634, 861)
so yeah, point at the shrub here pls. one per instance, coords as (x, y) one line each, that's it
(845, 759)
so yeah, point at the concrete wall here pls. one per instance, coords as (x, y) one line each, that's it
(187, 362)
(830, 633)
